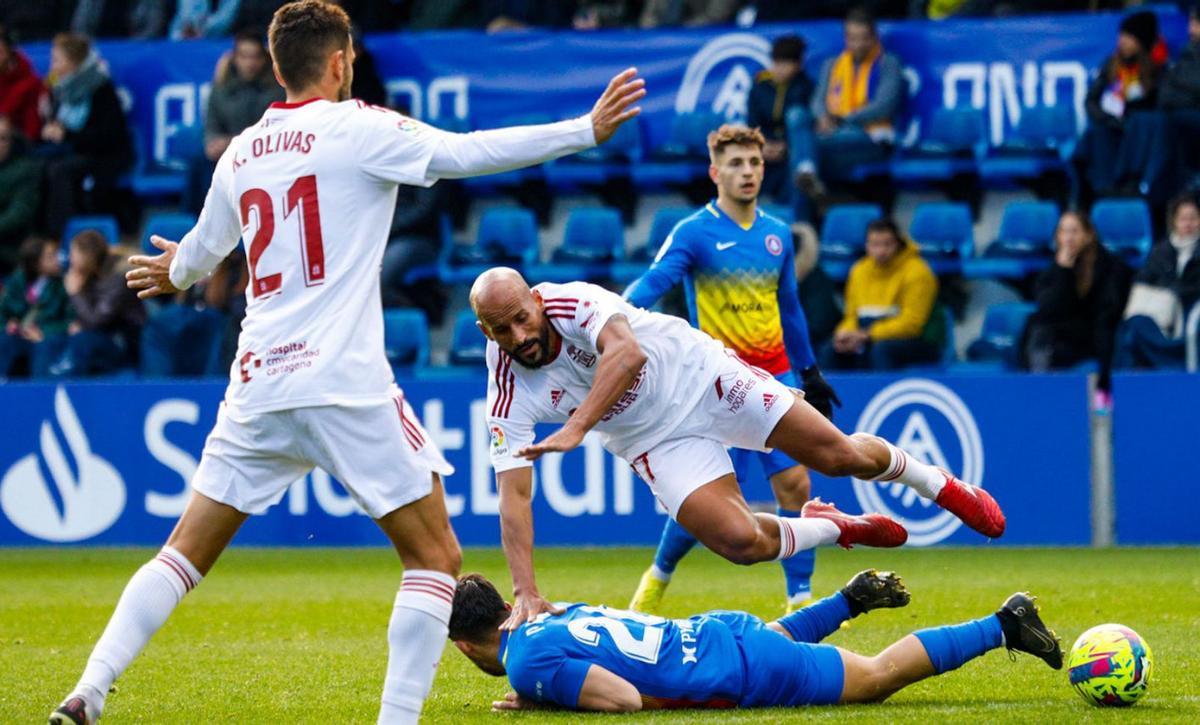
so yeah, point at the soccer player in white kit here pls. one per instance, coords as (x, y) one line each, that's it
(669, 399)
(311, 190)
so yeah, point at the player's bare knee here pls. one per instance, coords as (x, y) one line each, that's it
(739, 545)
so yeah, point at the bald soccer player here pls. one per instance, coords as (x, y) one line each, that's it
(669, 399)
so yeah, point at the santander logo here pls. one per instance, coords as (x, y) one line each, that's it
(92, 495)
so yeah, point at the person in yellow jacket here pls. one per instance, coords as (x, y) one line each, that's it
(889, 322)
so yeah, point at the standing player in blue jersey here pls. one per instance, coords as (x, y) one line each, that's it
(611, 660)
(737, 262)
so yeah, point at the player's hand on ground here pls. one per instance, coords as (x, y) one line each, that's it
(527, 607)
(615, 105)
(818, 392)
(151, 276)
(513, 701)
(564, 439)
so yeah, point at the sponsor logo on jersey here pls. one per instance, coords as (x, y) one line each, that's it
(739, 307)
(687, 641)
(934, 425)
(499, 443)
(774, 244)
(556, 398)
(734, 396)
(627, 398)
(586, 359)
(769, 400)
(84, 495)
(722, 246)
(247, 363)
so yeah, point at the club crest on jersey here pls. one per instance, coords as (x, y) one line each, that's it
(774, 244)
(499, 443)
(556, 398)
(581, 357)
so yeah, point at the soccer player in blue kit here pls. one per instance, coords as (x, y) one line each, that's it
(611, 660)
(741, 289)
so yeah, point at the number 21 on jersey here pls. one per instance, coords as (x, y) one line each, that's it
(256, 204)
(616, 623)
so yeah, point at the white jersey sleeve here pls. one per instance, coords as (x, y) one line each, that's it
(579, 311)
(510, 421)
(395, 148)
(216, 232)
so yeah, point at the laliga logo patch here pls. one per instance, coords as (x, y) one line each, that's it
(731, 61)
(774, 245)
(927, 420)
(499, 444)
(76, 503)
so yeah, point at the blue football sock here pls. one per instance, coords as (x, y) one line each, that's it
(798, 569)
(818, 620)
(951, 647)
(675, 543)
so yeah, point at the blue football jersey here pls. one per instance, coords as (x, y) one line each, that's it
(694, 662)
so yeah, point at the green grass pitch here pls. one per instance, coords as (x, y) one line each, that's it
(299, 635)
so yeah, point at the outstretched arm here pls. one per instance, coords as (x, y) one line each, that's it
(516, 536)
(670, 265)
(489, 152)
(602, 691)
(621, 359)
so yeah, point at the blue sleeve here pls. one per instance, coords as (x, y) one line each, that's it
(551, 677)
(791, 315)
(669, 267)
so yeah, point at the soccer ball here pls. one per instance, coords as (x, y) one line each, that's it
(1110, 666)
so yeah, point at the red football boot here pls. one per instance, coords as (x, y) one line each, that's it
(869, 529)
(973, 505)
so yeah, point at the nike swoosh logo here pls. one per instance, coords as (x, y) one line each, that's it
(722, 246)
(1048, 644)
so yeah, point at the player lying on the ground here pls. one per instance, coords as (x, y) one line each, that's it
(596, 658)
(738, 267)
(312, 188)
(668, 399)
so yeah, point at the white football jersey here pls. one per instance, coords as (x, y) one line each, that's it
(311, 189)
(677, 373)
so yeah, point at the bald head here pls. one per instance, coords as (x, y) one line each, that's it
(513, 316)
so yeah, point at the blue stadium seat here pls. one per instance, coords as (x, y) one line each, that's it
(1024, 245)
(169, 225)
(1003, 325)
(1123, 226)
(106, 224)
(151, 180)
(943, 233)
(468, 346)
(1042, 142)
(507, 236)
(683, 157)
(954, 141)
(593, 240)
(405, 339)
(843, 234)
(599, 164)
(639, 259)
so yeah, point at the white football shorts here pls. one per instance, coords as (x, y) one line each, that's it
(379, 452)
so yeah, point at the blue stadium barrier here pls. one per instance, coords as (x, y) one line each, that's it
(97, 478)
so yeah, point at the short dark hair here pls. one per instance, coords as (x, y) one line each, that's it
(93, 244)
(788, 47)
(30, 254)
(302, 35)
(1177, 202)
(478, 609)
(76, 46)
(886, 224)
(862, 16)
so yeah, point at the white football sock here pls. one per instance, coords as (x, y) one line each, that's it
(659, 574)
(416, 637)
(798, 534)
(917, 475)
(149, 598)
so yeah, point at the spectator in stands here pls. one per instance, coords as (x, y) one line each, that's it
(195, 334)
(36, 19)
(854, 107)
(444, 14)
(203, 19)
(35, 310)
(243, 87)
(1079, 302)
(1180, 96)
(818, 295)
(1164, 291)
(888, 321)
(137, 19)
(87, 136)
(1126, 84)
(20, 187)
(688, 13)
(502, 15)
(108, 316)
(366, 85)
(414, 239)
(779, 100)
(596, 14)
(21, 90)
